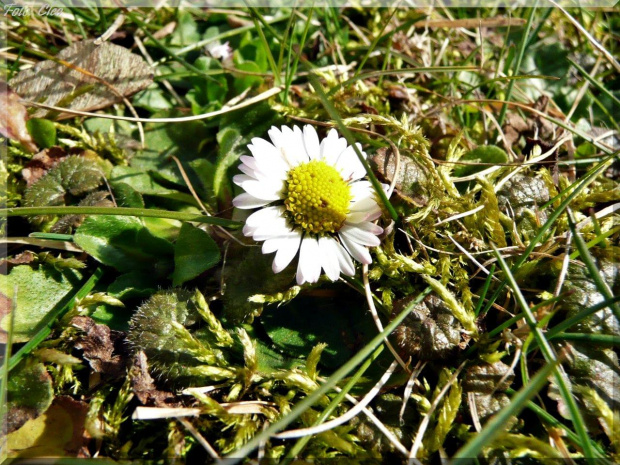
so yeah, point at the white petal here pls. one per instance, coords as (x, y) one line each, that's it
(276, 137)
(246, 201)
(271, 245)
(276, 228)
(263, 216)
(239, 179)
(349, 164)
(329, 257)
(245, 169)
(359, 235)
(287, 249)
(292, 148)
(359, 252)
(267, 153)
(262, 189)
(311, 142)
(309, 267)
(370, 227)
(344, 260)
(361, 189)
(332, 146)
(358, 217)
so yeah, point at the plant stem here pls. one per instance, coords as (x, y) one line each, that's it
(122, 211)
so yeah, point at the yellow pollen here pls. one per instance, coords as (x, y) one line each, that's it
(317, 198)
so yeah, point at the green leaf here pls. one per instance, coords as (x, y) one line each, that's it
(482, 154)
(134, 284)
(29, 393)
(124, 243)
(194, 253)
(186, 32)
(143, 183)
(183, 140)
(42, 131)
(244, 81)
(297, 327)
(38, 292)
(126, 196)
(153, 99)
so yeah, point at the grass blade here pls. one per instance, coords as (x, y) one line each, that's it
(520, 54)
(587, 259)
(551, 358)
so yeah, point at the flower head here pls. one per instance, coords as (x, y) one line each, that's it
(312, 199)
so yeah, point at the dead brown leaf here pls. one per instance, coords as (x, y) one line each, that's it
(41, 163)
(84, 77)
(14, 117)
(101, 346)
(143, 384)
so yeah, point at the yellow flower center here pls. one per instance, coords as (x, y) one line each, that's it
(317, 198)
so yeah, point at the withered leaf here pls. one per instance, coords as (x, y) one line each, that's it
(411, 181)
(143, 384)
(23, 258)
(101, 346)
(13, 124)
(29, 393)
(85, 77)
(41, 163)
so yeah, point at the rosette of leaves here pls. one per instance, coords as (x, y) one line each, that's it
(387, 408)
(73, 181)
(521, 198)
(595, 379)
(430, 331)
(161, 329)
(582, 293)
(484, 386)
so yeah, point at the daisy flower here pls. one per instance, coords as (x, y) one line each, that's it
(311, 199)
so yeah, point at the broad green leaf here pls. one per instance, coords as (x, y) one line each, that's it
(247, 273)
(243, 81)
(42, 131)
(183, 140)
(124, 243)
(115, 318)
(153, 99)
(143, 183)
(297, 327)
(194, 253)
(482, 154)
(205, 170)
(132, 285)
(126, 196)
(29, 393)
(269, 359)
(186, 32)
(38, 292)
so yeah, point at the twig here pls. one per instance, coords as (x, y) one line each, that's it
(199, 437)
(183, 119)
(298, 433)
(424, 424)
(375, 317)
